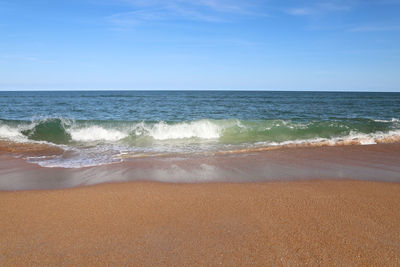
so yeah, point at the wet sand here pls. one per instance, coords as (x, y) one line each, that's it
(273, 223)
(372, 162)
(299, 206)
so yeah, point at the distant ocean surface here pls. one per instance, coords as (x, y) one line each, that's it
(103, 127)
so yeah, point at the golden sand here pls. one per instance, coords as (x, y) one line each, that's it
(274, 223)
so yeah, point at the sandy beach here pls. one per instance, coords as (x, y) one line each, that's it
(316, 206)
(273, 223)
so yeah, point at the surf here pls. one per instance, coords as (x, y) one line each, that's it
(228, 131)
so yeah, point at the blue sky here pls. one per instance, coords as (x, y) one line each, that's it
(205, 44)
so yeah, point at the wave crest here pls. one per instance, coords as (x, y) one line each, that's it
(96, 133)
(203, 129)
(50, 130)
(11, 133)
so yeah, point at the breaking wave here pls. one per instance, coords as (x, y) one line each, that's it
(96, 133)
(202, 129)
(231, 131)
(60, 142)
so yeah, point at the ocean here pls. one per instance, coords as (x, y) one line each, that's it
(104, 127)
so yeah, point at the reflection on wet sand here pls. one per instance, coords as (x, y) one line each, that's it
(373, 162)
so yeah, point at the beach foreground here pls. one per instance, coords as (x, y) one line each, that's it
(297, 222)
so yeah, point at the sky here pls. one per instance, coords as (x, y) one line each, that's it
(322, 45)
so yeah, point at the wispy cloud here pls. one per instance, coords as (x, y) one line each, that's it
(24, 58)
(132, 18)
(375, 28)
(321, 8)
(158, 10)
(301, 11)
(215, 5)
(18, 57)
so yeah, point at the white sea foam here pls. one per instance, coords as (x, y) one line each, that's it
(351, 138)
(11, 133)
(364, 139)
(392, 120)
(203, 129)
(96, 133)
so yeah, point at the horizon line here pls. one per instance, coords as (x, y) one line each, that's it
(196, 90)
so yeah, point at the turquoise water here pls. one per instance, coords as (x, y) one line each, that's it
(97, 127)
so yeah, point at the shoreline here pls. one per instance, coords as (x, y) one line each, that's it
(147, 223)
(380, 162)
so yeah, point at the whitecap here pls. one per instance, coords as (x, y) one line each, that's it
(96, 133)
(202, 129)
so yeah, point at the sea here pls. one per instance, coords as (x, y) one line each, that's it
(106, 127)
